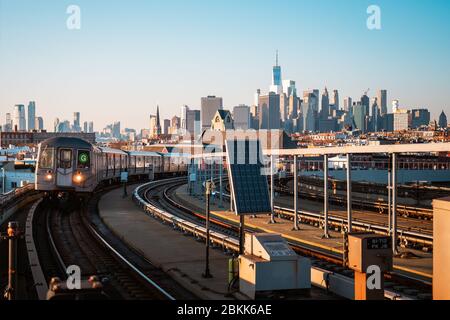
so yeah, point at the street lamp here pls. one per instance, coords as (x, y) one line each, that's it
(209, 186)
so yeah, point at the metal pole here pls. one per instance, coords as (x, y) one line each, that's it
(325, 196)
(389, 195)
(208, 187)
(349, 193)
(241, 233)
(221, 183)
(296, 193)
(394, 203)
(272, 190)
(11, 289)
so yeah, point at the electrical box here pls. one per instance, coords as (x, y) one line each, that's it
(368, 249)
(270, 264)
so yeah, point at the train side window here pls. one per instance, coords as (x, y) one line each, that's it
(65, 158)
(84, 159)
(46, 158)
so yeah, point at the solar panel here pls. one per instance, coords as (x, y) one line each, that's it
(248, 181)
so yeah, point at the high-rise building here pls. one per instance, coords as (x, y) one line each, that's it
(359, 116)
(256, 97)
(336, 99)
(395, 106)
(91, 127)
(348, 104)
(184, 110)
(382, 101)
(375, 116)
(312, 97)
(175, 125)
(289, 87)
(76, 122)
(365, 102)
(277, 86)
(153, 124)
(8, 127)
(31, 115)
(443, 120)
(19, 123)
(242, 117)
(401, 120)
(158, 122)
(85, 127)
(420, 117)
(293, 106)
(56, 125)
(309, 116)
(209, 106)
(116, 130)
(269, 111)
(166, 126)
(193, 126)
(325, 111)
(39, 123)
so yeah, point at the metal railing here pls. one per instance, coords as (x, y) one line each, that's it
(15, 193)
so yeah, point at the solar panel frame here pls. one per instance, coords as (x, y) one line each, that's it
(249, 185)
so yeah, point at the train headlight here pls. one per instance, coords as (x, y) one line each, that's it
(78, 178)
(48, 177)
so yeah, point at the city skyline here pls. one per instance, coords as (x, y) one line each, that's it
(86, 70)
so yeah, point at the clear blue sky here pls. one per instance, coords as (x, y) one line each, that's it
(131, 55)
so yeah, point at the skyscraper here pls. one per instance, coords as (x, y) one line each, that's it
(158, 122)
(336, 99)
(420, 117)
(359, 116)
(395, 106)
(39, 123)
(76, 122)
(85, 127)
(193, 122)
(269, 111)
(209, 106)
(325, 111)
(277, 86)
(382, 101)
(166, 126)
(348, 103)
(443, 121)
(91, 127)
(19, 122)
(31, 115)
(184, 110)
(365, 101)
(242, 117)
(8, 127)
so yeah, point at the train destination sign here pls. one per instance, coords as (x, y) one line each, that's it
(379, 243)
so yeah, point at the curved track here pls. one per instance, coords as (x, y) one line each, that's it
(70, 238)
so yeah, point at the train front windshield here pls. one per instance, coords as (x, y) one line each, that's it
(46, 158)
(65, 159)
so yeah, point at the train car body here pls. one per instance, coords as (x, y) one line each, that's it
(73, 165)
(65, 164)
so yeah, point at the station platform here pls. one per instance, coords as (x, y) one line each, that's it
(180, 256)
(418, 264)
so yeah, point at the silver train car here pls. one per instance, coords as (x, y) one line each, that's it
(73, 165)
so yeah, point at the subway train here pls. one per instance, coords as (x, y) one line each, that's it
(74, 166)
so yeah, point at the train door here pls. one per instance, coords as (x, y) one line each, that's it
(64, 169)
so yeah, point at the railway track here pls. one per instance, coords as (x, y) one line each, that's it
(76, 237)
(155, 198)
(364, 204)
(412, 232)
